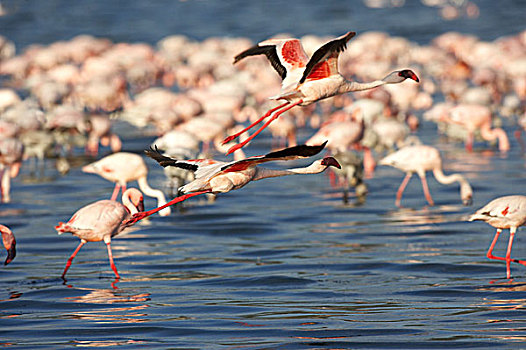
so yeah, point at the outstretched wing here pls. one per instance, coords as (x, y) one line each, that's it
(300, 151)
(324, 62)
(285, 55)
(165, 161)
(202, 168)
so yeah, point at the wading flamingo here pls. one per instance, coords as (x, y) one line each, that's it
(11, 154)
(508, 212)
(102, 220)
(212, 176)
(8, 239)
(305, 80)
(123, 167)
(419, 159)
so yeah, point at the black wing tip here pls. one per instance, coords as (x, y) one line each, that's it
(349, 36)
(156, 155)
(252, 51)
(297, 151)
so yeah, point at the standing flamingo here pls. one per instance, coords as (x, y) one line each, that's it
(508, 212)
(123, 167)
(102, 220)
(8, 238)
(419, 159)
(305, 80)
(212, 176)
(477, 117)
(11, 154)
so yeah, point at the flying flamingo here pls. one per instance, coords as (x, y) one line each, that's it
(123, 167)
(9, 243)
(305, 80)
(102, 220)
(419, 159)
(212, 176)
(508, 212)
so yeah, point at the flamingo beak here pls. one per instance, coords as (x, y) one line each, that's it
(409, 74)
(467, 201)
(140, 205)
(11, 253)
(330, 161)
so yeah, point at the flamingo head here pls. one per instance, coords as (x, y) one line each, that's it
(136, 198)
(330, 161)
(9, 243)
(399, 76)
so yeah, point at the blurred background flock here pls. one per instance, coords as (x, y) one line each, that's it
(311, 262)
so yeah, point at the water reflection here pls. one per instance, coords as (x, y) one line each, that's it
(105, 343)
(128, 314)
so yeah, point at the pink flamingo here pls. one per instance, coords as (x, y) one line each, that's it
(102, 220)
(99, 130)
(476, 117)
(8, 238)
(305, 80)
(419, 159)
(508, 212)
(11, 154)
(212, 176)
(123, 167)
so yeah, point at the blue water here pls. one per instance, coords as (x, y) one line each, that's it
(282, 263)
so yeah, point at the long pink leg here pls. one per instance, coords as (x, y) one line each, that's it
(490, 255)
(368, 161)
(402, 188)
(426, 190)
(141, 215)
(115, 193)
(508, 252)
(517, 134)
(70, 260)
(269, 112)
(110, 256)
(276, 115)
(469, 142)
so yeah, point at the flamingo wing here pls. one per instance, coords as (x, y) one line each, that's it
(300, 151)
(201, 167)
(324, 62)
(285, 55)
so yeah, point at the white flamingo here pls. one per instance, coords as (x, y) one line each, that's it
(419, 159)
(212, 176)
(305, 80)
(508, 212)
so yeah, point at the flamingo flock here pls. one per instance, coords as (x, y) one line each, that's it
(78, 92)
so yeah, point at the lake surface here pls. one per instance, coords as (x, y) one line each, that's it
(282, 263)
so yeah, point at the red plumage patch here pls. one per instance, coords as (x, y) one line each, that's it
(237, 167)
(292, 54)
(505, 211)
(320, 71)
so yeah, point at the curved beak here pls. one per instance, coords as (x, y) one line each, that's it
(140, 205)
(11, 253)
(330, 161)
(412, 75)
(467, 201)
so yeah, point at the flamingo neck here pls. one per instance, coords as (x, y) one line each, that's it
(349, 86)
(465, 188)
(314, 168)
(491, 134)
(126, 201)
(147, 190)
